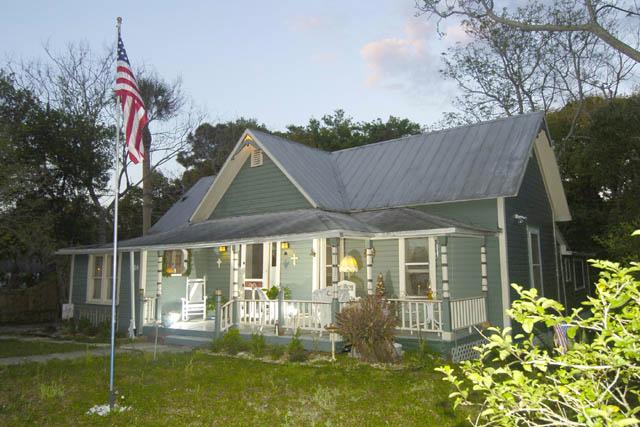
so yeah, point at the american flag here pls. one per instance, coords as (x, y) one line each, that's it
(135, 116)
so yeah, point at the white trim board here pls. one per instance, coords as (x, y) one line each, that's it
(504, 262)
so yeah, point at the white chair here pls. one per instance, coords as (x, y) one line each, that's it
(195, 302)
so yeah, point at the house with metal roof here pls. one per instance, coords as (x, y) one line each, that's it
(441, 223)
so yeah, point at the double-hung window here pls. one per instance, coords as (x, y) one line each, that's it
(100, 279)
(579, 273)
(416, 267)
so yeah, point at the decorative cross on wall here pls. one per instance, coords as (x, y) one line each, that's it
(219, 262)
(294, 259)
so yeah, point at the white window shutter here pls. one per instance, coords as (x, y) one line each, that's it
(256, 158)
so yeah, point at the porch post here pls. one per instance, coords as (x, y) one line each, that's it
(369, 253)
(217, 322)
(281, 311)
(446, 295)
(236, 290)
(335, 307)
(159, 288)
(483, 265)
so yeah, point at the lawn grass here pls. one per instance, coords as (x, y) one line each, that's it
(15, 348)
(202, 389)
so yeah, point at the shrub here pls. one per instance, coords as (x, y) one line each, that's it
(295, 349)
(273, 291)
(257, 345)
(369, 326)
(276, 351)
(595, 381)
(231, 343)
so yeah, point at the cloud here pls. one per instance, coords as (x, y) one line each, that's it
(409, 62)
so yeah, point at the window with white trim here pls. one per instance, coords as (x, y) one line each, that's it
(257, 158)
(416, 267)
(175, 262)
(568, 277)
(535, 259)
(579, 274)
(99, 279)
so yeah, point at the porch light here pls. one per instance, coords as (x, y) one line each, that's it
(348, 264)
(284, 245)
(222, 249)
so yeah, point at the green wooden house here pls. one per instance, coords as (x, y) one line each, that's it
(443, 221)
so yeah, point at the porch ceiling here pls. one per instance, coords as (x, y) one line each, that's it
(290, 225)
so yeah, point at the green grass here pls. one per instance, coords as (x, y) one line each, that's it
(201, 389)
(16, 347)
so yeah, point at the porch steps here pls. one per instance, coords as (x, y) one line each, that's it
(187, 341)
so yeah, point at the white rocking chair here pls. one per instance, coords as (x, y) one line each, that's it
(195, 303)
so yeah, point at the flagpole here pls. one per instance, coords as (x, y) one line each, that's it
(116, 191)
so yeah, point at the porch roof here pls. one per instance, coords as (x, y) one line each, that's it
(294, 225)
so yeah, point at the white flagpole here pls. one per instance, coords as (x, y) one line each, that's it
(116, 190)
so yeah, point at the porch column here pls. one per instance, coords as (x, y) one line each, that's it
(132, 288)
(159, 287)
(369, 255)
(236, 291)
(335, 307)
(483, 266)
(445, 269)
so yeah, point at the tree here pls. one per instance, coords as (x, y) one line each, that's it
(613, 22)
(595, 381)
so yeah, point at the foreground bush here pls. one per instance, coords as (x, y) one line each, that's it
(596, 381)
(231, 343)
(369, 326)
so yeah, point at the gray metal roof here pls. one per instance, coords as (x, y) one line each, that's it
(483, 160)
(179, 214)
(299, 223)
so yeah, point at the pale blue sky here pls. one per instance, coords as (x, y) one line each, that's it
(278, 61)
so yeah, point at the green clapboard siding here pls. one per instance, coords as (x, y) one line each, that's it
(81, 264)
(481, 213)
(532, 202)
(298, 278)
(356, 248)
(258, 190)
(386, 261)
(205, 264)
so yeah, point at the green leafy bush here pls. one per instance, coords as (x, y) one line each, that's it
(369, 326)
(273, 291)
(230, 343)
(257, 345)
(295, 349)
(596, 381)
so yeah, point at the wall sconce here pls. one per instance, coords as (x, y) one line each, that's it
(222, 249)
(284, 245)
(520, 219)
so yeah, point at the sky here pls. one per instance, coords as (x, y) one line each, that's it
(281, 62)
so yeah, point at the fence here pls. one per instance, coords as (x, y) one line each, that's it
(39, 303)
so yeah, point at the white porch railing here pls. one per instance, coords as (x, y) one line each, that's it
(149, 310)
(418, 315)
(258, 312)
(95, 314)
(307, 315)
(226, 316)
(467, 312)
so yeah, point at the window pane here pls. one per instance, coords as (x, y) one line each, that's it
(417, 280)
(577, 264)
(537, 277)
(108, 276)
(535, 249)
(253, 266)
(328, 257)
(98, 266)
(416, 250)
(274, 254)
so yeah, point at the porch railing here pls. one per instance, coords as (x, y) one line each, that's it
(418, 315)
(95, 314)
(226, 316)
(307, 315)
(149, 310)
(258, 312)
(467, 312)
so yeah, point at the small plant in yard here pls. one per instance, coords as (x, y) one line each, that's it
(231, 343)
(273, 292)
(51, 391)
(595, 381)
(257, 345)
(276, 351)
(295, 349)
(369, 326)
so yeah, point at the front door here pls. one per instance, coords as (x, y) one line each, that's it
(254, 263)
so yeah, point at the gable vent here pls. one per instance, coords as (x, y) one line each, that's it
(256, 158)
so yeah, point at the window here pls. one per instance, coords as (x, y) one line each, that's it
(100, 279)
(256, 158)
(568, 277)
(175, 262)
(535, 262)
(416, 262)
(579, 274)
(274, 254)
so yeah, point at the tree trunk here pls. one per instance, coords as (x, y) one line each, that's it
(147, 187)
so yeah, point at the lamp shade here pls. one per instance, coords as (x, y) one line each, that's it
(348, 264)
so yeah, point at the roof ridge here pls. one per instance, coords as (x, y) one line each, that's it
(290, 141)
(435, 132)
